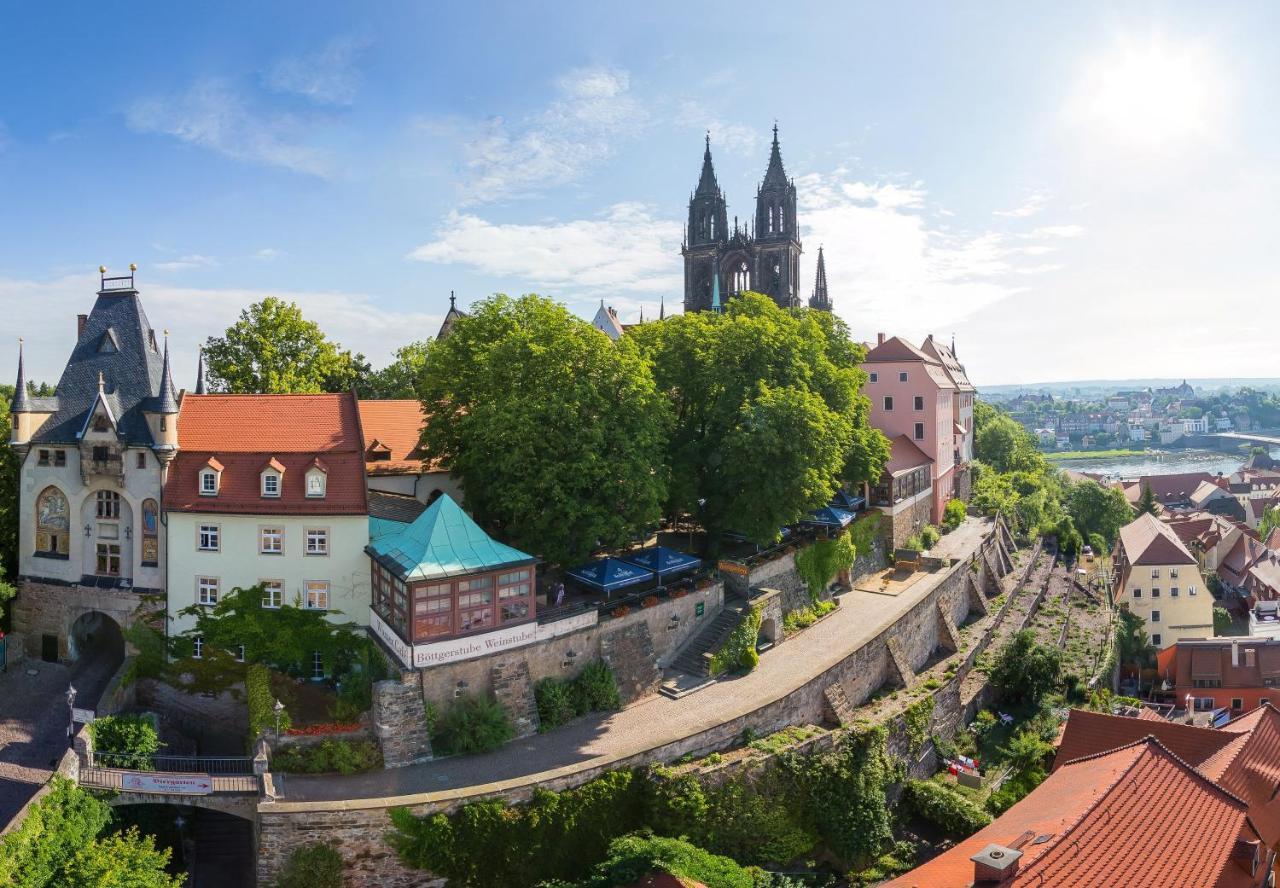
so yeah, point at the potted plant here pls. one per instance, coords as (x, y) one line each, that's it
(649, 601)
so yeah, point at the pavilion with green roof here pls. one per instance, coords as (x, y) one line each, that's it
(443, 577)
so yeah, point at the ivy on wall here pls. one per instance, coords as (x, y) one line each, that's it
(739, 650)
(916, 719)
(820, 563)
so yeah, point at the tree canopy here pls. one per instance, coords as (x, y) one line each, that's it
(400, 378)
(1147, 504)
(1098, 509)
(274, 349)
(555, 431)
(768, 413)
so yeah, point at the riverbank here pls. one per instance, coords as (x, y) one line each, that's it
(1093, 454)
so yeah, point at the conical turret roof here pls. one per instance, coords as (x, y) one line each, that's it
(707, 184)
(775, 176)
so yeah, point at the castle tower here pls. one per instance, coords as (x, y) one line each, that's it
(705, 234)
(777, 237)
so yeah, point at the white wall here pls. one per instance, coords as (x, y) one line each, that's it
(238, 561)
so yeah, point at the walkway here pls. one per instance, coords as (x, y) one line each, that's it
(600, 740)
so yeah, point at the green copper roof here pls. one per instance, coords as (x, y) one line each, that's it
(442, 542)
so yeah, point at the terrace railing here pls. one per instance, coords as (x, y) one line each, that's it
(172, 764)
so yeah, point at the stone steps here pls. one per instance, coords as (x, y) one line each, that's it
(691, 663)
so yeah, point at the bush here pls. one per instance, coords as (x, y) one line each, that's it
(1014, 790)
(949, 811)
(1025, 670)
(329, 757)
(312, 866)
(631, 858)
(472, 725)
(953, 515)
(739, 650)
(554, 697)
(125, 741)
(262, 716)
(929, 536)
(560, 701)
(819, 563)
(55, 828)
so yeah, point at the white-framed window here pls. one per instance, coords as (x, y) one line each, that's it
(317, 541)
(197, 647)
(1191, 590)
(317, 594)
(317, 664)
(209, 538)
(271, 540)
(888, 403)
(1173, 573)
(315, 483)
(918, 402)
(875, 377)
(272, 593)
(902, 376)
(1155, 573)
(207, 590)
(1155, 616)
(208, 482)
(270, 483)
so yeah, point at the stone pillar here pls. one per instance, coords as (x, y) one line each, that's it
(400, 721)
(513, 688)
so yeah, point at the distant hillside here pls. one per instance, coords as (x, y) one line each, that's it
(1085, 388)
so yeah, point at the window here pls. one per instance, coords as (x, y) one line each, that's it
(101, 453)
(1155, 573)
(1191, 590)
(197, 647)
(1173, 592)
(919, 431)
(317, 665)
(1237, 703)
(108, 504)
(318, 541)
(43, 459)
(108, 561)
(315, 483)
(270, 484)
(513, 585)
(902, 376)
(1137, 593)
(207, 590)
(888, 402)
(271, 541)
(318, 594)
(208, 483)
(142, 459)
(515, 610)
(272, 592)
(59, 457)
(53, 525)
(1173, 573)
(919, 402)
(1207, 683)
(1204, 704)
(1155, 639)
(1155, 593)
(875, 377)
(210, 537)
(240, 653)
(1155, 616)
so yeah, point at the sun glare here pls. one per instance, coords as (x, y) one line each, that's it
(1152, 96)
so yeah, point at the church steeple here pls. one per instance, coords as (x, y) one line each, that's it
(21, 400)
(775, 176)
(820, 299)
(708, 213)
(707, 184)
(200, 371)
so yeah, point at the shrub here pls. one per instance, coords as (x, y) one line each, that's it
(984, 721)
(312, 866)
(262, 716)
(819, 563)
(631, 858)
(929, 535)
(473, 725)
(554, 697)
(125, 741)
(1014, 790)
(1026, 670)
(914, 542)
(595, 690)
(953, 515)
(739, 650)
(949, 811)
(329, 757)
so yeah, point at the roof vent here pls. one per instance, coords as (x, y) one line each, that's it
(995, 864)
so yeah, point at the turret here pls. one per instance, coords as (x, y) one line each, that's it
(162, 414)
(776, 199)
(20, 407)
(708, 212)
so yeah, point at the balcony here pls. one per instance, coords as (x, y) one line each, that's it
(99, 466)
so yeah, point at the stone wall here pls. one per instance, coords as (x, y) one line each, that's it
(193, 714)
(628, 651)
(400, 722)
(780, 573)
(909, 519)
(53, 608)
(513, 688)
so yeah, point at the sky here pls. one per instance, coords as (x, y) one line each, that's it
(1073, 190)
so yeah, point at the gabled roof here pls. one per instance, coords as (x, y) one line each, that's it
(394, 427)
(131, 371)
(895, 348)
(443, 542)
(1167, 488)
(1148, 540)
(221, 423)
(955, 370)
(607, 322)
(905, 455)
(1089, 733)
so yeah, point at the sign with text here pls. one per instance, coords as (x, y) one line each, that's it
(455, 649)
(168, 784)
(733, 567)
(82, 716)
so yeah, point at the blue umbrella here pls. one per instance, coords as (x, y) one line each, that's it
(847, 501)
(829, 517)
(663, 561)
(609, 574)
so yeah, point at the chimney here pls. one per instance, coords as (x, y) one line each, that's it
(995, 865)
(82, 321)
(879, 339)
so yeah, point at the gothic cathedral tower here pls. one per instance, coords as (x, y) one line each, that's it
(764, 257)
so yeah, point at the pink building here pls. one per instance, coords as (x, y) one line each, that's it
(921, 395)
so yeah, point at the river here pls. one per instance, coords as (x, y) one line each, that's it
(1167, 462)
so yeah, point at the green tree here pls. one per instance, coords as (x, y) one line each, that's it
(123, 860)
(769, 414)
(55, 828)
(125, 741)
(1098, 509)
(1147, 504)
(1221, 621)
(1004, 444)
(401, 378)
(1270, 521)
(555, 431)
(632, 858)
(1132, 641)
(274, 349)
(1025, 671)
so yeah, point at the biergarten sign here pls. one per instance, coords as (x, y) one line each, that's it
(167, 784)
(735, 568)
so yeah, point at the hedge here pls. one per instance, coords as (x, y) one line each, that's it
(560, 700)
(329, 757)
(125, 741)
(312, 866)
(262, 715)
(949, 811)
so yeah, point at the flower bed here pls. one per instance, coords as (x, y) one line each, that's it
(320, 730)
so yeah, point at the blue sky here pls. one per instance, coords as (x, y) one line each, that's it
(1075, 190)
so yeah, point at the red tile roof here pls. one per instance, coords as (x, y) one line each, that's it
(1168, 488)
(241, 435)
(1089, 733)
(895, 348)
(394, 428)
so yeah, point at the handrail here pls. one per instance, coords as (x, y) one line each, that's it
(172, 764)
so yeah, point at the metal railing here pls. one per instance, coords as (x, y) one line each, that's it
(113, 778)
(172, 764)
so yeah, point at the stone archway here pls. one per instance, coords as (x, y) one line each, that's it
(215, 846)
(768, 636)
(95, 636)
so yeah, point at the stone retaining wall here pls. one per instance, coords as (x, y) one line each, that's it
(53, 608)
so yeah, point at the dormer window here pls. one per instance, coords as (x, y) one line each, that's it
(270, 484)
(210, 478)
(315, 483)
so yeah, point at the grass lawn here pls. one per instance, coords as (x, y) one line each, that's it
(1093, 454)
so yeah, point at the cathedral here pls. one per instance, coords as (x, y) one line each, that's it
(720, 262)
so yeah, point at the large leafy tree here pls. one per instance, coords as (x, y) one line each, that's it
(400, 378)
(1024, 671)
(555, 431)
(1098, 509)
(1002, 443)
(274, 349)
(116, 861)
(769, 414)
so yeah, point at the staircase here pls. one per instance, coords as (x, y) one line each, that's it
(691, 662)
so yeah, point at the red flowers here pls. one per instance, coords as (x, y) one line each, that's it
(330, 728)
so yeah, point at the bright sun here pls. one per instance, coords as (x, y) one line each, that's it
(1152, 96)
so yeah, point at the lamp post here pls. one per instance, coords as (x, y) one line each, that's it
(71, 714)
(278, 708)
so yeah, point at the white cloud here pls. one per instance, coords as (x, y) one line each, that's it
(191, 315)
(736, 138)
(624, 249)
(1057, 231)
(212, 115)
(194, 260)
(556, 146)
(1034, 203)
(326, 77)
(266, 254)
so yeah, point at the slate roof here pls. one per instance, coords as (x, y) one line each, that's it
(443, 542)
(394, 506)
(131, 368)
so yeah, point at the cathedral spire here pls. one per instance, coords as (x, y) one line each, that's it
(820, 298)
(200, 370)
(707, 185)
(21, 400)
(775, 176)
(662, 309)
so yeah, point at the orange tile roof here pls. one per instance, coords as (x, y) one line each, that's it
(268, 423)
(395, 427)
(1089, 733)
(1148, 540)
